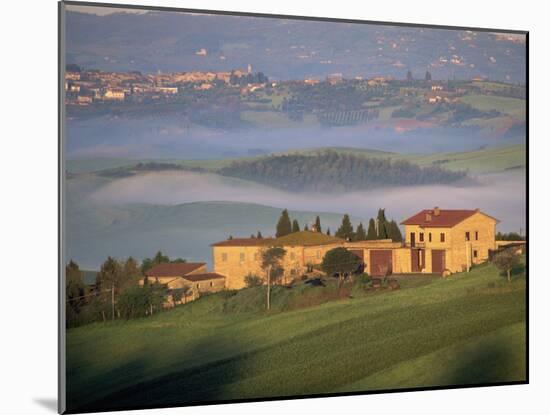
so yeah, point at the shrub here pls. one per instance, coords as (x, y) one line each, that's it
(253, 280)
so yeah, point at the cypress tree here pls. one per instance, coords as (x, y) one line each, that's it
(382, 224)
(371, 233)
(360, 234)
(295, 226)
(345, 231)
(318, 224)
(259, 235)
(283, 226)
(306, 227)
(328, 231)
(395, 232)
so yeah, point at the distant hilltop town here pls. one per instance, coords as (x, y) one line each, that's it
(212, 99)
(85, 87)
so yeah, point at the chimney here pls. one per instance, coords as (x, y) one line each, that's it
(428, 217)
(436, 211)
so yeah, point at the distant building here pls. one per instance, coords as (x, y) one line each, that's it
(310, 81)
(114, 94)
(335, 78)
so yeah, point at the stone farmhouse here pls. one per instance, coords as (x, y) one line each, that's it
(436, 241)
(190, 275)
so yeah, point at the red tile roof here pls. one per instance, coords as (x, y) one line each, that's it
(203, 277)
(445, 219)
(173, 270)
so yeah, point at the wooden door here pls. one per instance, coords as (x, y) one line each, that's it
(438, 260)
(380, 262)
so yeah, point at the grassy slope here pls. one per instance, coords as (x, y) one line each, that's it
(466, 329)
(515, 107)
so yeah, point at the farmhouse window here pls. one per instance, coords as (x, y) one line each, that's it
(442, 237)
(421, 236)
(211, 284)
(475, 253)
(467, 236)
(477, 235)
(430, 237)
(241, 257)
(224, 256)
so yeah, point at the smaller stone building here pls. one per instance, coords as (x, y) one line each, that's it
(190, 277)
(171, 274)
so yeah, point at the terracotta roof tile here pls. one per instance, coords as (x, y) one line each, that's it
(203, 277)
(174, 269)
(445, 219)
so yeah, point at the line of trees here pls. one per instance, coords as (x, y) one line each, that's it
(285, 226)
(379, 228)
(116, 292)
(510, 236)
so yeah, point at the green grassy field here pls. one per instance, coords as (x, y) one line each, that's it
(512, 106)
(466, 329)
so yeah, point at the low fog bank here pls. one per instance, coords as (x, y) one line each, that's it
(501, 195)
(141, 214)
(169, 137)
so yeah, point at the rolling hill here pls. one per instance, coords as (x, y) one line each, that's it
(467, 329)
(487, 160)
(183, 230)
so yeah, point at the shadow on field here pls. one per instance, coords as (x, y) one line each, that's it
(490, 364)
(205, 382)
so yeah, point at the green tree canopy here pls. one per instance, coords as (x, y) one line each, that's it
(371, 233)
(345, 231)
(74, 286)
(318, 224)
(131, 273)
(506, 261)
(395, 232)
(382, 224)
(110, 275)
(284, 226)
(295, 226)
(360, 234)
(271, 264)
(340, 261)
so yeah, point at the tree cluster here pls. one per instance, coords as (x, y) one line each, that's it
(509, 236)
(116, 292)
(331, 171)
(285, 226)
(379, 228)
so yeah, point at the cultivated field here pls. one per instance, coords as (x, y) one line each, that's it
(467, 329)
